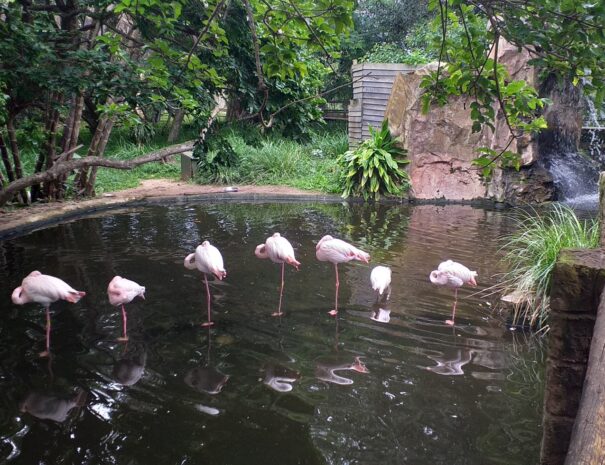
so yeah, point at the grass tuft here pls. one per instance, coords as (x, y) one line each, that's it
(532, 252)
(274, 160)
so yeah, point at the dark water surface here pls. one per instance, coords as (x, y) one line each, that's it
(255, 389)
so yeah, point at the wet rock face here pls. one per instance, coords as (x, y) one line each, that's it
(441, 145)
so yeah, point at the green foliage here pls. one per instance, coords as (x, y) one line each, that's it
(532, 252)
(216, 157)
(372, 169)
(392, 53)
(274, 160)
(564, 38)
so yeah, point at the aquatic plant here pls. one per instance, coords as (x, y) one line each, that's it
(532, 252)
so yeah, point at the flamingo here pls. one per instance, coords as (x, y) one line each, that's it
(453, 275)
(337, 251)
(45, 290)
(279, 250)
(208, 260)
(381, 282)
(121, 291)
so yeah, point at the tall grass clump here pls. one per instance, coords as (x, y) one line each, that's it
(273, 159)
(532, 252)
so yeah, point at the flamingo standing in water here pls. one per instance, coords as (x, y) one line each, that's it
(279, 250)
(381, 282)
(337, 251)
(121, 291)
(45, 290)
(453, 275)
(208, 260)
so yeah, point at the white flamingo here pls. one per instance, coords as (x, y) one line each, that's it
(208, 260)
(279, 250)
(45, 290)
(381, 282)
(453, 275)
(121, 291)
(337, 251)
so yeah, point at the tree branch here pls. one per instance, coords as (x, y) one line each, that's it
(63, 167)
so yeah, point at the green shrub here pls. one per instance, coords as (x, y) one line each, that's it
(372, 169)
(532, 252)
(393, 53)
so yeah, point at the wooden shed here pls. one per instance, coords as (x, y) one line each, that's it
(372, 84)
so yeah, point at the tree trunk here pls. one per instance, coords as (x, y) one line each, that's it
(71, 133)
(177, 123)
(90, 185)
(12, 140)
(6, 160)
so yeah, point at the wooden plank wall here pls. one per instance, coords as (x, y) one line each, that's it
(372, 84)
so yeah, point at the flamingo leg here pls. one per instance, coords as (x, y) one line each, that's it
(46, 353)
(281, 292)
(209, 322)
(124, 337)
(335, 311)
(451, 322)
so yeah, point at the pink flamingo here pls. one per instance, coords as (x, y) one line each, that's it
(336, 251)
(121, 291)
(279, 250)
(45, 290)
(208, 260)
(453, 275)
(381, 282)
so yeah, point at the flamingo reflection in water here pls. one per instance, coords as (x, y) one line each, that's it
(205, 378)
(45, 290)
(280, 378)
(129, 369)
(380, 314)
(337, 251)
(325, 371)
(279, 250)
(50, 406)
(451, 365)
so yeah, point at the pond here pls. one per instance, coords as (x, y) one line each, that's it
(256, 389)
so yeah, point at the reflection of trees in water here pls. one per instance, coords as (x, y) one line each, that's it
(522, 391)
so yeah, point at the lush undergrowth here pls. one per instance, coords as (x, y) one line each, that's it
(532, 252)
(274, 160)
(268, 160)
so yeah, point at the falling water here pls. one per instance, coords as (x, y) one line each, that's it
(575, 178)
(594, 126)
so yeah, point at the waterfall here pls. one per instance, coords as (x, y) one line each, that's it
(593, 127)
(575, 177)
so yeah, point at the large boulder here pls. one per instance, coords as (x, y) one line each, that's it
(441, 144)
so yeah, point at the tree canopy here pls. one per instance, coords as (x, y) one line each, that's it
(102, 63)
(564, 38)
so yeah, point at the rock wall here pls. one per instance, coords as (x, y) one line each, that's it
(441, 145)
